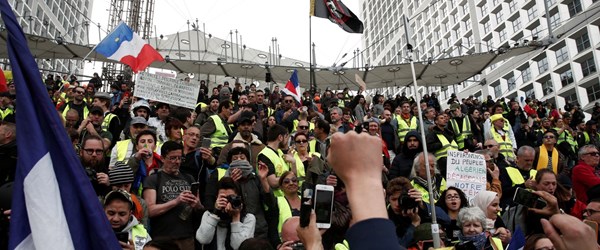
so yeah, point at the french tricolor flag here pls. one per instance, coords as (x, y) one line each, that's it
(123, 45)
(292, 87)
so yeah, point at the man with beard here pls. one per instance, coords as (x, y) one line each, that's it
(406, 121)
(388, 133)
(272, 155)
(246, 122)
(211, 110)
(241, 106)
(336, 120)
(92, 159)
(76, 103)
(217, 127)
(286, 116)
(402, 163)
(93, 126)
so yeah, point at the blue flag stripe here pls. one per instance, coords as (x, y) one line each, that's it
(111, 43)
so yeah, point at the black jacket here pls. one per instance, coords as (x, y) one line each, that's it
(402, 163)
(8, 160)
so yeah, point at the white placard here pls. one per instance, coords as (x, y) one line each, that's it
(466, 171)
(167, 90)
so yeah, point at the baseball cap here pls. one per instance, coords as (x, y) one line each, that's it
(116, 194)
(102, 95)
(138, 120)
(246, 116)
(454, 106)
(96, 110)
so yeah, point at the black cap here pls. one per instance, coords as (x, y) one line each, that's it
(96, 110)
(246, 116)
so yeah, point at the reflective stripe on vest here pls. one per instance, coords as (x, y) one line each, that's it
(301, 172)
(270, 112)
(446, 145)
(5, 113)
(107, 119)
(278, 163)
(220, 137)
(565, 136)
(312, 146)
(425, 192)
(139, 236)
(403, 127)
(461, 134)
(122, 147)
(516, 177)
(342, 246)
(285, 212)
(505, 144)
(86, 111)
(220, 173)
(202, 105)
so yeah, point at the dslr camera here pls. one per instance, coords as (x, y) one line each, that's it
(406, 202)
(235, 201)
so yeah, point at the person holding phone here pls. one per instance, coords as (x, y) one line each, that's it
(119, 208)
(228, 224)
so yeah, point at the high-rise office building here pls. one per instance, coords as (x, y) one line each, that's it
(60, 20)
(565, 70)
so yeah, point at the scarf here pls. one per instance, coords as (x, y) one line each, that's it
(243, 165)
(543, 160)
(423, 183)
(478, 240)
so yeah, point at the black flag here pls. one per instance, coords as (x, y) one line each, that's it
(338, 13)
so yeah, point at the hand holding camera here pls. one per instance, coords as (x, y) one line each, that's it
(234, 207)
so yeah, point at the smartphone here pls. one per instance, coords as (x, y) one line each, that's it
(593, 225)
(306, 204)
(206, 142)
(427, 244)
(195, 188)
(527, 198)
(122, 236)
(323, 205)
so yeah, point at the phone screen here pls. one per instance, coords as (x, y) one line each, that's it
(195, 187)
(323, 206)
(122, 236)
(528, 199)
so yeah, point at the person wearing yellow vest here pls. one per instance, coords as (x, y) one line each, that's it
(125, 148)
(440, 140)
(589, 135)
(76, 103)
(119, 207)
(488, 126)
(301, 126)
(217, 128)
(568, 135)
(520, 176)
(406, 121)
(207, 112)
(289, 203)
(111, 122)
(7, 111)
(461, 126)
(547, 156)
(418, 176)
(273, 157)
(245, 137)
(92, 125)
(499, 133)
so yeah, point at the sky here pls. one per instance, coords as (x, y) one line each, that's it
(257, 21)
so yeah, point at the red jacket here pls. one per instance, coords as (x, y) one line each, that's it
(584, 177)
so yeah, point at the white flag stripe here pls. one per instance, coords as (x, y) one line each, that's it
(129, 48)
(45, 211)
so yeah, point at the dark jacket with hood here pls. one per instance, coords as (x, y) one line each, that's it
(402, 163)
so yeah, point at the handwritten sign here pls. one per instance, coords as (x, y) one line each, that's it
(167, 90)
(466, 171)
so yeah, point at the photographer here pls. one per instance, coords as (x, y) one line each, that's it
(92, 159)
(228, 219)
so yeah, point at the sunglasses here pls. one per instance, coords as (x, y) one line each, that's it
(289, 180)
(593, 153)
(301, 141)
(303, 127)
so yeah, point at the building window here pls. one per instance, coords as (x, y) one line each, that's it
(542, 65)
(511, 83)
(593, 92)
(526, 75)
(583, 42)
(530, 93)
(498, 90)
(532, 13)
(517, 25)
(562, 55)
(502, 35)
(484, 10)
(574, 7)
(512, 6)
(486, 27)
(555, 20)
(547, 87)
(499, 17)
(572, 98)
(566, 78)
(588, 66)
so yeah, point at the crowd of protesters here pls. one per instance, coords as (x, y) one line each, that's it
(227, 175)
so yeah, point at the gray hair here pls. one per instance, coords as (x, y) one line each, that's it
(417, 163)
(583, 150)
(471, 214)
(525, 149)
(337, 109)
(484, 152)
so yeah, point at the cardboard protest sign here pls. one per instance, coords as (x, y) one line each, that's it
(167, 90)
(466, 171)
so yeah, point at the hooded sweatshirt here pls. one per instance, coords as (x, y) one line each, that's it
(402, 163)
(138, 241)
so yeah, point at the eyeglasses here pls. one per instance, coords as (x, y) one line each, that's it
(489, 146)
(593, 153)
(303, 127)
(590, 211)
(288, 180)
(175, 158)
(452, 197)
(301, 141)
(549, 137)
(90, 151)
(288, 101)
(489, 161)
(193, 135)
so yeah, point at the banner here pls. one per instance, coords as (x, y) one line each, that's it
(167, 90)
(466, 171)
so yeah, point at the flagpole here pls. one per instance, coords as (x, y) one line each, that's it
(434, 226)
(311, 71)
(92, 50)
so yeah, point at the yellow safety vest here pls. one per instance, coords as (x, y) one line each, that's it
(446, 145)
(311, 126)
(278, 163)
(516, 177)
(425, 192)
(220, 137)
(285, 212)
(504, 144)
(341, 103)
(300, 167)
(86, 111)
(342, 246)
(107, 119)
(270, 112)
(139, 236)
(122, 149)
(201, 104)
(461, 134)
(6, 112)
(220, 173)
(586, 135)
(312, 146)
(566, 136)
(403, 127)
